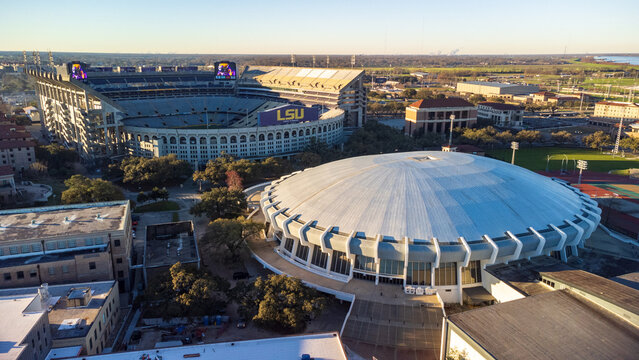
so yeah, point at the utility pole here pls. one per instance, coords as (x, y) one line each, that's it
(450, 137)
(515, 146)
(581, 165)
(581, 102)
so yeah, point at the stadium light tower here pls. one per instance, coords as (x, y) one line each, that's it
(293, 59)
(313, 60)
(353, 61)
(616, 149)
(515, 146)
(450, 137)
(581, 165)
(328, 60)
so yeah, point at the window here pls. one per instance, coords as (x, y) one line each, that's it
(302, 252)
(446, 274)
(365, 263)
(20, 274)
(13, 250)
(62, 244)
(340, 263)
(288, 245)
(65, 269)
(116, 242)
(7, 276)
(88, 242)
(92, 265)
(72, 243)
(120, 273)
(25, 249)
(90, 344)
(418, 273)
(319, 258)
(118, 261)
(391, 267)
(51, 270)
(472, 273)
(33, 273)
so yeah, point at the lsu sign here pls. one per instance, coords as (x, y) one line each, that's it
(287, 114)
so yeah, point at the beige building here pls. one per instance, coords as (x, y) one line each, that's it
(17, 148)
(24, 328)
(497, 89)
(433, 116)
(502, 115)
(7, 185)
(84, 314)
(65, 244)
(616, 110)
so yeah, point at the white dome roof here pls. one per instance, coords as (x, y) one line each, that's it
(426, 194)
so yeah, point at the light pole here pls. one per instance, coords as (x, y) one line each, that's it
(515, 146)
(450, 137)
(581, 165)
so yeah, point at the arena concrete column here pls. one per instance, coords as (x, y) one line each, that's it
(459, 283)
(378, 239)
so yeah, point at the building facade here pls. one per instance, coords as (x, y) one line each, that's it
(496, 89)
(433, 116)
(17, 148)
(502, 115)
(617, 110)
(66, 244)
(24, 328)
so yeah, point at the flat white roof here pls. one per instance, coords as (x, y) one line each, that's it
(64, 352)
(325, 346)
(15, 324)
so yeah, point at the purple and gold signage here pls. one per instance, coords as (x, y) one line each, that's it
(287, 114)
(77, 70)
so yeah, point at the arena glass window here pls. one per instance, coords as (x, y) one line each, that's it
(182, 140)
(252, 138)
(138, 138)
(324, 128)
(286, 136)
(278, 136)
(146, 138)
(308, 132)
(223, 140)
(319, 130)
(172, 140)
(293, 133)
(192, 140)
(213, 140)
(270, 136)
(243, 138)
(203, 140)
(313, 131)
(446, 274)
(164, 140)
(233, 139)
(261, 137)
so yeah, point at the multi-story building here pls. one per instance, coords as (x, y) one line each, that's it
(502, 115)
(24, 328)
(326, 87)
(66, 244)
(17, 148)
(81, 315)
(616, 110)
(494, 89)
(433, 115)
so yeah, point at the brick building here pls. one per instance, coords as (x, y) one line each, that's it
(433, 115)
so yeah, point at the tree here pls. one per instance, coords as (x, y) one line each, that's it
(409, 93)
(597, 140)
(496, 99)
(233, 180)
(476, 98)
(307, 159)
(561, 137)
(505, 137)
(142, 197)
(215, 171)
(57, 158)
(424, 94)
(81, 189)
(281, 303)
(630, 143)
(529, 136)
(230, 234)
(220, 202)
(164, 170)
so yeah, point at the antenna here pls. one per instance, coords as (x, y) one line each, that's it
(328, 60)
(24, 57)
(313, 60)
(293, 59)
(352, 60)
(51, 59)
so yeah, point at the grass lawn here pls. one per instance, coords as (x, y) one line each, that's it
(535, 158)
(167, 205)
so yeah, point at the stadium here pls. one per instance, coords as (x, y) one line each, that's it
(430, 221)
(197, 113)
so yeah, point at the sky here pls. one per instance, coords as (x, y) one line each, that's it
(322, 27)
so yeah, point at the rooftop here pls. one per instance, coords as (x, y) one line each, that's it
(69, 220)
(554, 325)
(15, 323)
(325, 346)
(66, 320)
(441, 103)
(630, 280)
(169, 243)
(623, 296)
(327, 80)
(523, 275)
(618, 103)
(6, 170)
(491, 83)
(500, 106)
(425, 194)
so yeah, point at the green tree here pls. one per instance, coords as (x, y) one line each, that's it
(230, 235)
(476, 98)
(597, 140)
(409, 93)
(221, 202)
(424, 94)
(142, 197)
(164, 170)
(529, 136)
(57, 158)
(630, 143)
(81, 189)
(281, 303)
(505, 137)
(561, 137)
(496, 99)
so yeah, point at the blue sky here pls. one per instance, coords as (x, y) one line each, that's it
(322, 27)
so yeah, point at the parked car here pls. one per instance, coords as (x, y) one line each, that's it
(241, 324)
(239, 275)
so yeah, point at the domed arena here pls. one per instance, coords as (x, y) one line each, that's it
(427, 220)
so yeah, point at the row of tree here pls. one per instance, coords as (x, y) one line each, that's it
(142, 172)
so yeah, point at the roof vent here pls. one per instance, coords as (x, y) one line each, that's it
(98, 216)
